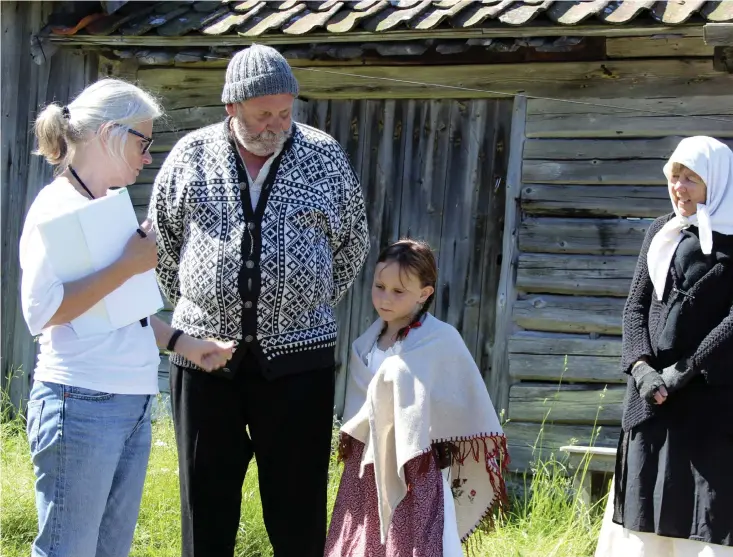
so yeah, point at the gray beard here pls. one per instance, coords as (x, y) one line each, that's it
(263, 144)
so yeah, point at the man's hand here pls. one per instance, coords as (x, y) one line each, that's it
(207, 354)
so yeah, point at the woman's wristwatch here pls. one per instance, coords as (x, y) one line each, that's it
(174, 338)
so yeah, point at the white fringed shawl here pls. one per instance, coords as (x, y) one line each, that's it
(429, 392)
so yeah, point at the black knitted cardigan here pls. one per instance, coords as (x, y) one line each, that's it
(691, 327)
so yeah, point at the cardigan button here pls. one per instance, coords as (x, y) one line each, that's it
(248, 305)
(251, 225)
(249, 263)
(249, 338)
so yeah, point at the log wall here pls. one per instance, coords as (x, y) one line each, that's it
(26, 87)
(429, 169)
(591, 184)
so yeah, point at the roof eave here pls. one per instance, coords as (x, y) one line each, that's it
(537, 30)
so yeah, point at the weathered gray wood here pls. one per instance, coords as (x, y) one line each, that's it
(26, 87)
(596, 201)
(569, 404)
(529, 342)
(493, 195)
(140, 194)
(375, 141)
(530, 443)
(164, 141)
(631, 117)
(590, 236)
(498, 378)
(332, 34)
(718, 34)
(653, 47)
(342, 116)
(424, 177)
(632, 172)
(189, 118)
(569, 314)
(602, 149)
(586, 275)
(568, 369)
(629, 107)
(147, 175)
(458, 294)
(184, 87)
(723, 59)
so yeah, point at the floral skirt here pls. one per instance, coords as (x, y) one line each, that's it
(417, 525)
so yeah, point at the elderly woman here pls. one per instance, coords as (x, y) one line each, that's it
(89, 409)
(673, 488)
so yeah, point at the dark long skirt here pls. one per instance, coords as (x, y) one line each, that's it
(676, 480)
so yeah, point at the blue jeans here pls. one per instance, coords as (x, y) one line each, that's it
(90, 452)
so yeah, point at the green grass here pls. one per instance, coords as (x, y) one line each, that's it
(546, 521)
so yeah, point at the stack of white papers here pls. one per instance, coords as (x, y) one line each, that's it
(89, 239)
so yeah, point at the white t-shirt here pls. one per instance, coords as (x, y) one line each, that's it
(124, 361)
(451, 540)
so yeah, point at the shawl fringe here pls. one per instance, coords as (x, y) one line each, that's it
(492, 446)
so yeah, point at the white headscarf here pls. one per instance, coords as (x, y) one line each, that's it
(713, 162)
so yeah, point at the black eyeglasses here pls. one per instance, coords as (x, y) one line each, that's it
(147, 141)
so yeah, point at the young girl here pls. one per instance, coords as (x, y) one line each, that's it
(422, 444)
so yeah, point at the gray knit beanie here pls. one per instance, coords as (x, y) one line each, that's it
(255, 72)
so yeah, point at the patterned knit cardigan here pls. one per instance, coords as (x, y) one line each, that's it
(306, 242)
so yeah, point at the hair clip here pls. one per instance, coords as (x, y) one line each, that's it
(65, 112)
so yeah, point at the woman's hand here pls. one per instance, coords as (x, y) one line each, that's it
(141, 253)
(649, 383)
(207, 354)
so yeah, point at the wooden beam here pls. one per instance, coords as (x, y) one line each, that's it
(530, 443)
(569, 314)
(499, 31)
(568, 369)
(723, 59)
(623, 149)
(631, 172)
(718, 34)
(567, 404)
(589, 236)
(632, 117)
(584, 275)
(191, 118)
(498, 376)
(181, 87)
(595, 201)
(657, 47)
(529, 342)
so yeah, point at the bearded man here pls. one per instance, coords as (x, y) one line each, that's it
(261, 230)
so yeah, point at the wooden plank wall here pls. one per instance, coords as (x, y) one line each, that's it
(591, 183)
(26, 86)
(429, 169)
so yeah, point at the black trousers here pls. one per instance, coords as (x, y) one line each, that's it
(289, 422)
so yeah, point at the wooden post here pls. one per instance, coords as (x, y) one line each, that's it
(723, 59)
(498, 378)
(718, 34)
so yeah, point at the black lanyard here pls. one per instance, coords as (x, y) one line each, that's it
(144, 320)
(81, 183)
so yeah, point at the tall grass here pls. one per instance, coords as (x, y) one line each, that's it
(547, 519)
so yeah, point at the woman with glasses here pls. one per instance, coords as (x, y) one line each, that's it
(89, 410)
